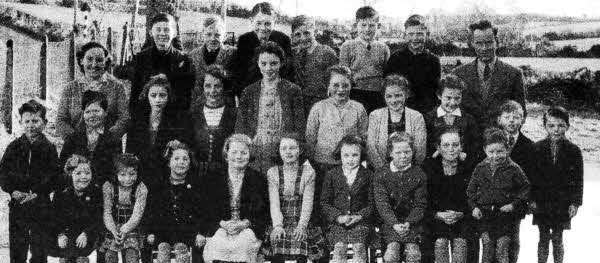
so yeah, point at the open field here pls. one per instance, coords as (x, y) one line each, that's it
(582, 44)
(539, 28)
(543, 64)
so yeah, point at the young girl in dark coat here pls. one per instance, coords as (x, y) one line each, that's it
(557, 184)
(346, 200)
(175, 218)
(447, 177)
(77, 211)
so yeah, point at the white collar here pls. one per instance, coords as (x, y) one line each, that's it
(99, 130)
(394, 169)
(441, 112)
(364, 42)
(351, 172)
(481, 64)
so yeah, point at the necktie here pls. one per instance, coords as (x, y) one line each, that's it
(486, 72)
(449, 119)
(511, 141)
(369, 47)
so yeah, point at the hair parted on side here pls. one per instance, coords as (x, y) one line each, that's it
(557, 112)
(351, 139)
(33, 106)
(367, 12)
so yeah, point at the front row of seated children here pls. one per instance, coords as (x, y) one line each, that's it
(443, 191)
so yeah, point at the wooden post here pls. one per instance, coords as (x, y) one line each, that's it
(224, 12)
(43, 68)
(72, 59)
(123, 59)
(109, 41)
(7, 101)
(75, 6)
(133, 25)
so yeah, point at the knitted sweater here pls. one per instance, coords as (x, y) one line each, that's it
(366, 63)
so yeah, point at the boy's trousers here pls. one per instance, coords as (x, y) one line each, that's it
(26, 231)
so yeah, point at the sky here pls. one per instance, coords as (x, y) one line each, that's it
(344, 9)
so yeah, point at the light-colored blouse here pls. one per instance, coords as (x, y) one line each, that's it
(307, 188)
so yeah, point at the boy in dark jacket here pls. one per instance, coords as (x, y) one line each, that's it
(28, 170)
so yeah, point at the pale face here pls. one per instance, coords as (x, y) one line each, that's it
(238, 155)
(213, 36)
(450, 146)
(556, 128)
(269, 65)
(511, 122)
(179, 164)
(94, 115)
(82, 176)
(289, 150)
(162, 34)
(304, 36)
(339, 87)
(367, 28)
(350, 156)
(395, 97)
(263, 25)
(213, 91)
(94, 63)
(450, 99)
(485, 44)
(401, 154)
(496, 153)
(158, 96)
(127, 176)
(33, 124)
(416, 37)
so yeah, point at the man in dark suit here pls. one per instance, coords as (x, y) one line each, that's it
(490, 82)
(510, 119)
(244, 67)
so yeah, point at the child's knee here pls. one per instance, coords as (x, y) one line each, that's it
(413, 253)
(360, 252)
(486, 240)
(339, 250)
(441, 243)
(164, 247)
(131, 255)
(181, 248)
(182, 254)
(392, 253)
(82, 260)
(111, 256)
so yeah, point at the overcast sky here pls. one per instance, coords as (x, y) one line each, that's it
(345, 9)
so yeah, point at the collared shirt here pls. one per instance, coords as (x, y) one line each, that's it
(93, 85)
(213, 115)
(394, 169)
(364, 42)
(351, 175)
(93, 135)
(441, 112)
(512, 139)
(481, 67)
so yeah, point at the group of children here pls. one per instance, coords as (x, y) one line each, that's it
(433, 196)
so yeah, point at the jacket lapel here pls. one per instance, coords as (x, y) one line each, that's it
(359, 181)
(383, 133)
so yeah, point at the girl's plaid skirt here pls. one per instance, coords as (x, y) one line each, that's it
(133, 239)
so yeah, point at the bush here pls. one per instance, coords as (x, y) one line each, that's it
(34, 2)
(576, 90)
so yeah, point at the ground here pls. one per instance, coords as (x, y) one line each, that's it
(579, 242)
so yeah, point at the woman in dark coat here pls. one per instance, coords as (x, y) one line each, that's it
(77, 214)
(213, 120)
(93, 141)
(238, 200)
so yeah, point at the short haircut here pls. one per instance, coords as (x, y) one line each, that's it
(162, 17)
(484, 25)
(237, 137)
(510, 106)
(172, 147)
(296, 137)
(272, 48)
(85, 48)
(396, 80)
(340, 70)
(449, 130)
(90, 97)
(450, 81)
(398, 137)
(557, 112)
(415, 20)
(493, 136)
(74, 161)
(302, 20)
(351, 139)
(263, 7)
(213, 21)
(126, 160)
(33, 106)
(366, 12)
(219, 72)
(156, 80)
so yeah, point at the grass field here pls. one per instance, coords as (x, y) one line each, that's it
(542, 64)
(582, 44)
(544, 27)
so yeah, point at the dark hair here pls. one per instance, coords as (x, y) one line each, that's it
(415, 20)
(126, 160)
(263, 7)
(351, 139)
(85, 48)
(450, 81)
(302, 20)
(156, 80)
(162, 17)
(398, 137)
(557, 112)
(219, 72)
(74, 161)
(212, 20)
(510, 106)
(495, 135)
(340, 70)
(449, 130)
(33, 106)
(271, 48)
(367, 12)
(172, 147)
(483, 25)
(91, 97)
(396, 80)
(294, 136)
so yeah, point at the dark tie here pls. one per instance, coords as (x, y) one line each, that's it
(486, 72)
(369, 47)
(511, 141)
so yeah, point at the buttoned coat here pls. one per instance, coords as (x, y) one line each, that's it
(338, 198)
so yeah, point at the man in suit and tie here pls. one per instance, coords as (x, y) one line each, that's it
(490, 82)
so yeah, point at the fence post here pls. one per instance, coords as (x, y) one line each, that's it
(109, 40)
(124, 52)
(72, 55)
(7, 101)
(44, 68)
